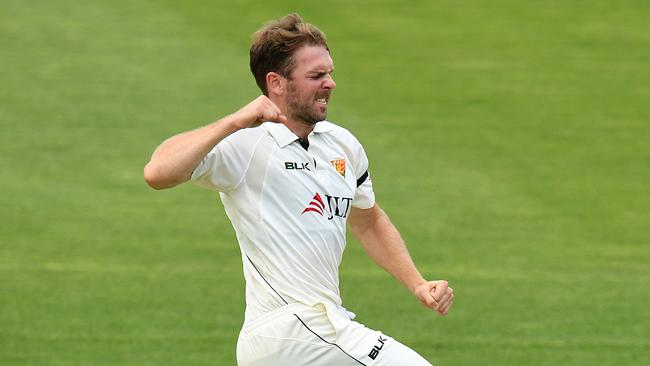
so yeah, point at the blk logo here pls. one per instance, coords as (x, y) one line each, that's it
(336, 206)
(375, 350)
(292, 165)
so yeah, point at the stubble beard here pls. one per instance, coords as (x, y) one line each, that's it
(303, 110)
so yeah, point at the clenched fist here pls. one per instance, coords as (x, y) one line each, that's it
(261, 109)
(436, 295)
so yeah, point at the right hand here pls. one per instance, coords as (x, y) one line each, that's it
(261, 109)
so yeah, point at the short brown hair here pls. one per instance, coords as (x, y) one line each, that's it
(275, 43)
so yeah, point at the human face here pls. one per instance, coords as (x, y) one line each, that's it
(310, 86)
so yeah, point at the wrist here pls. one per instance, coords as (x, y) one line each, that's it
(232, 123)
(414, 285)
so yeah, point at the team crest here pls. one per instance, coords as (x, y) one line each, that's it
(339, 165)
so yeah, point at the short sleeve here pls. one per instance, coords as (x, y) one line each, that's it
(224, 167)
(364, 196)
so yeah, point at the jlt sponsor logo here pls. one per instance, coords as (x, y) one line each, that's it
(375, 350)
(336, 206)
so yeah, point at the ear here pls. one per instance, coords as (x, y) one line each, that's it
(275, 83)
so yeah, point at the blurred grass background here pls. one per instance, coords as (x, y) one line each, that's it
(508, 141)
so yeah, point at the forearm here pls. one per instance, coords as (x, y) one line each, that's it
(383, 243)
(385, 246)
(174, 160)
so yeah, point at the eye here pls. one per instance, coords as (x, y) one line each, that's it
(320, 75)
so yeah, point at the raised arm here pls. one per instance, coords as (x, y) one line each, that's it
(174, 160)
(383, 243)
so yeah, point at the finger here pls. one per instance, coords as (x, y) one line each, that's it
(273, 106)
(445, 309)
(427, 299)
(272, 115)
(439, 289)
(447, 295)
(278, 116)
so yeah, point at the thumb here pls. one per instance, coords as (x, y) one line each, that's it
(439, 289)
(426, 296)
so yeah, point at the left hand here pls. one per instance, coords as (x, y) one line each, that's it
(436, 295)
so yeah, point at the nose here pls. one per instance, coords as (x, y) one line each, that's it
(329, 83)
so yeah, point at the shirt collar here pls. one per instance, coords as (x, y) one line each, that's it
(283, 135)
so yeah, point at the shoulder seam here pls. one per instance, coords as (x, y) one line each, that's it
(243, 177)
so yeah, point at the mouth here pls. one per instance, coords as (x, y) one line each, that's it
(322, 101)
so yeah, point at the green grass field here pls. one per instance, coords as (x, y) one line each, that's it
(508, 140)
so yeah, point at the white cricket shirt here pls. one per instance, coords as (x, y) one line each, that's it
(289, 206)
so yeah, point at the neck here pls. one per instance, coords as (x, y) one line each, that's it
(299, 128)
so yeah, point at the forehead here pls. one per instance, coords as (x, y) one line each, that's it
(309, 58)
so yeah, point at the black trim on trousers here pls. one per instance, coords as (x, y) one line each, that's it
(330, 343)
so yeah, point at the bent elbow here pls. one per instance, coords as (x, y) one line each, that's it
(154, 179)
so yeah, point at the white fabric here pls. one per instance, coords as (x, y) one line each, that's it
(299, 335)
(289, 208)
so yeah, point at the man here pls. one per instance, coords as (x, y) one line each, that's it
(289, 182)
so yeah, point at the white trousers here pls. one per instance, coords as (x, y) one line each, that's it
(299, 335)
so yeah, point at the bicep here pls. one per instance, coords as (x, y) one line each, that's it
(364, 219)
